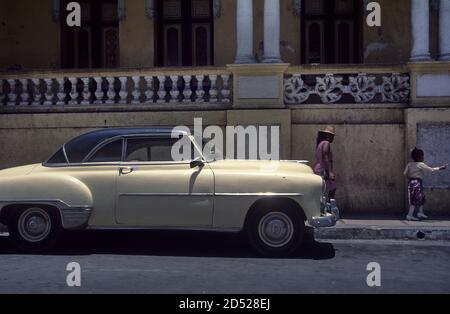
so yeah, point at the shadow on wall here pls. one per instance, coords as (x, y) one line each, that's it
(377, 52)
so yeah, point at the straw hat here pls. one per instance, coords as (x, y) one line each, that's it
(328, 130)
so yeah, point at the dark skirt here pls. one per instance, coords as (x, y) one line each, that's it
(415, 192)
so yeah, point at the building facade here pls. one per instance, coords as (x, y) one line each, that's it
(298, 64)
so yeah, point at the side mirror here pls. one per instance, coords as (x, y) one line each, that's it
(197, 162)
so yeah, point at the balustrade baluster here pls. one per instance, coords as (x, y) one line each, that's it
(73, 91)
(111, 93)
(200, 92)
(98, 91)
(161, 90)
(24, 95)
(37, 93)
(187, 93)
(136, 90)
(225, 91)
(2, 94)
(61, 94)
(174, 92)
(213, 92)
(149, 93)
(85, 94)
(123, 90)
(48, 92)
(12, 95)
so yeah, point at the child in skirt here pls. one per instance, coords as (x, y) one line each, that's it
(415, 172)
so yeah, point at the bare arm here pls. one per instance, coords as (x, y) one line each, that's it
(327, 160)
(430, 169)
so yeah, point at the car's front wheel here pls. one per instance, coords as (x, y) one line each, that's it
(35, 229)
(276, 232)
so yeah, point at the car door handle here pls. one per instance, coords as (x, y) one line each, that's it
(126, 170)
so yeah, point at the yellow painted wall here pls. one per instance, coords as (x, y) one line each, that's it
(391, 42)
(32, 38)
(225, 34)
(136, 37)
(4, 51)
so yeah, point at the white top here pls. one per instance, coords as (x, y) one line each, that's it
(417, 170)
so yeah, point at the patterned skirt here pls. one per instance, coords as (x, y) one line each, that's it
(415, 192)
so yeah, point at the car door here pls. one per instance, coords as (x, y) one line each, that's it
(155, 191)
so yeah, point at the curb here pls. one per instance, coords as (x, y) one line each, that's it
(382, 233)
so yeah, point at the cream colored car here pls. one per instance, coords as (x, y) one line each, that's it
(126, 178)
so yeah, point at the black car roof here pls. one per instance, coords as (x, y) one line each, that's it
(79, 147)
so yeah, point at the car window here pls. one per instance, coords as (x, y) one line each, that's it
(109, 153)
(149, 149)
(58, 158)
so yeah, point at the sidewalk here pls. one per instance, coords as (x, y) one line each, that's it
(387, 229)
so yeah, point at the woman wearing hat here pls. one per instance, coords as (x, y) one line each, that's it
(324, 159)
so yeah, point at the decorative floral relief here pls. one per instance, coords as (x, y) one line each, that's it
(297, 91)
(363, 88)
(395, 88)
(329, 88)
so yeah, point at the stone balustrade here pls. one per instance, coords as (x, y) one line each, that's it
(175, 87)
(159, 86)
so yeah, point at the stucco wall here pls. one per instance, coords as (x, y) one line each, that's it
(389, 43)
(136, 35)
(225, 34)
(32, 38)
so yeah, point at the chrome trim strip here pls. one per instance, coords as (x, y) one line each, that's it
(211, 194)
(206, 228)
(259, 194)
(166, 194)
(72, 217)
(43, 201)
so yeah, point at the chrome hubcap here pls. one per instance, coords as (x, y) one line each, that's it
(34, 225)
(276, 229)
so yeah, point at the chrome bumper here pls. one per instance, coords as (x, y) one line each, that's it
(328, 219)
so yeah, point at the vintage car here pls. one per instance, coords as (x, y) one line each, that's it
(126, 178)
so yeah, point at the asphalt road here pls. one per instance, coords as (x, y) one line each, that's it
(197, 262)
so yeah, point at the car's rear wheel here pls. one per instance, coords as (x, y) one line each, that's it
(276, 232)
(35, 229)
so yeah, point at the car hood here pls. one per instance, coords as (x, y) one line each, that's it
(17, 171)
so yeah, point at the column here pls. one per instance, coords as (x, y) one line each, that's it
(420, 26)
(444, 30)
(272, 31)
(244, 30)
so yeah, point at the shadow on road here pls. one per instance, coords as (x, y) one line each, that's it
(168, 243)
